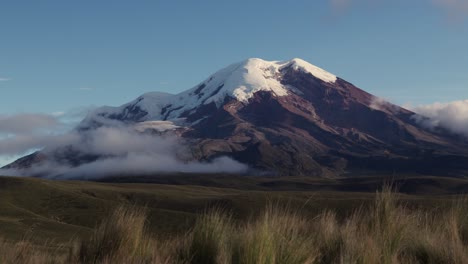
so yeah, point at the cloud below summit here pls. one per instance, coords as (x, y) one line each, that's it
(452, 116)
(27, 123)
(122, 150)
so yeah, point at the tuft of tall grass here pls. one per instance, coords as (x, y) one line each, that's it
(211, 239)
(120, 236)
(25, 252)
(280, 235)
(123, 238)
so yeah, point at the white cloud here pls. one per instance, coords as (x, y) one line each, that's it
(7, 159)
(340, 5)
(4, 79)
(381, 104)
(456, 9)
(58, 113)
(378, 103)
(21, 144)
(452, 116)
(86, 89)
(123, 150)
(27, 123)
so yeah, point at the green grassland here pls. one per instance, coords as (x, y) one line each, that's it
(61, 211)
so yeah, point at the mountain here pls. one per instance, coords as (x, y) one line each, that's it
(288, 118)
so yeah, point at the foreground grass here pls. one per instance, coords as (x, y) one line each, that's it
(384, 232)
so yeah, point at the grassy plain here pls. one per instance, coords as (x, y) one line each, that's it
(53, 215)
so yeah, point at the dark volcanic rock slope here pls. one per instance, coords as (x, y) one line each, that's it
(290, 118)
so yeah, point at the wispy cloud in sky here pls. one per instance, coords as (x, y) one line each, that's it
(456, 9)
(27, 123)
(58, 113)
(339, 6)
(18, 145)
(3, 79)
(86, 88)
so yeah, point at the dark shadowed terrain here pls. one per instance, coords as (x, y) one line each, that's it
(60, 211)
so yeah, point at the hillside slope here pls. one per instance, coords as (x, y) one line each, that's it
(286, 118)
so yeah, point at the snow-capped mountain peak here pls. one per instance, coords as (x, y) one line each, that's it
(239, 81)
(242, 80)
(299, 64)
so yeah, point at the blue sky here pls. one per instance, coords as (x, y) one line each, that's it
(61, 55)
(68, 55)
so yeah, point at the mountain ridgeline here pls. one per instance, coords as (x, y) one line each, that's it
(283, 118)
